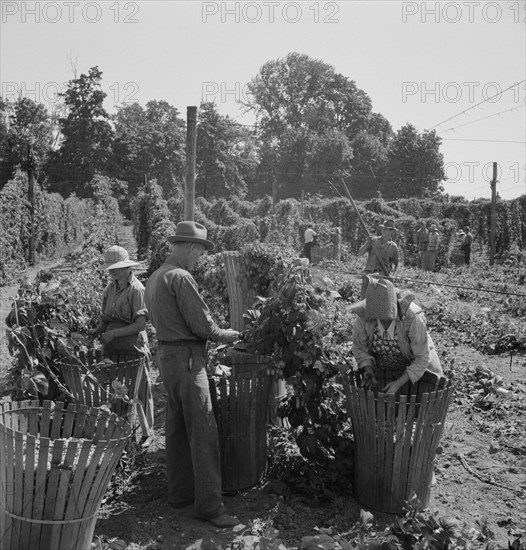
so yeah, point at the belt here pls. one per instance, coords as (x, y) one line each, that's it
(180, 342)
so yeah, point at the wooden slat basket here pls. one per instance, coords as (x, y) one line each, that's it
(127, 370)
(241, 295)
(241, 361)
(396, 437)
(241, 404)
(55, 466)
(319, 253)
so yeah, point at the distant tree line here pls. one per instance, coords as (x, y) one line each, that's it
(313, 126)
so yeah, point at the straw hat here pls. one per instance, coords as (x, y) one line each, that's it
(117, 257)
(388, 224)
(191, 232)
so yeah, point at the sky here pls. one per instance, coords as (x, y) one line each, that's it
(456, 67)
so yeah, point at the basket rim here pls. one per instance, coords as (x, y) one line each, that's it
(446, 389)
(117, 420)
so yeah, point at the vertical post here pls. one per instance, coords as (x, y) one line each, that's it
(493, 227)
(191, 146)
(302, 211)
(31, 197)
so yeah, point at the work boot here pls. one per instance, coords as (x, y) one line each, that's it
(224, 520)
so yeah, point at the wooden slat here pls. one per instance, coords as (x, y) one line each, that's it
(370, 427)
(3, 477)
(398, 468)
(19, 484)
(39, 490)
(380, 458)
(33, 415)
(416, 446)
(10, 484)
(69, 419)
(28, 486)
(45, 418)
(359, 408)
(53, 477)
(389, 450)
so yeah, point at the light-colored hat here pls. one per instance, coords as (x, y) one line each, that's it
(117, 257)
(388, 224)
(191, 232)
(433, 226)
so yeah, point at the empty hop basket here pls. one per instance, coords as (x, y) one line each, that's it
(55, 466)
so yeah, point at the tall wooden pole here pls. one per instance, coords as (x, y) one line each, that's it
(191, 146)
(31, 197)
(493, 227)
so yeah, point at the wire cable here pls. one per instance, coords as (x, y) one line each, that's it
(485, 140)
(484, 118)
(480, 103)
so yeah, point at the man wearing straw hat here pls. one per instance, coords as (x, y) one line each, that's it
(390, 338)
(184, 324)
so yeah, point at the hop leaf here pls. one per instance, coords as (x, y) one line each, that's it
(119, 387)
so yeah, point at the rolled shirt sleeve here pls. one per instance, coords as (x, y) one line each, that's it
(360, 348)
(137, 303)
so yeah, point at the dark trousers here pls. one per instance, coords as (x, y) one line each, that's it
(193, 466)
(307, 250)
(467, 253)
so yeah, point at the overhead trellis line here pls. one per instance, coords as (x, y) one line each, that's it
(443, 284)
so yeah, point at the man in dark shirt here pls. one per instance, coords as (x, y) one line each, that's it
(183, 324)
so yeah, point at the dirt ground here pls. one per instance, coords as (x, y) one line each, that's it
(480, 473)
(481, 479)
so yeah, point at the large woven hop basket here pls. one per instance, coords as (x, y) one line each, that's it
(396, 437)
(55, 466)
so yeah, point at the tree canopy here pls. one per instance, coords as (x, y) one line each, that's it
(313, 126)
(226, 155)
(149, 142)
(24, 123)
(87, 136)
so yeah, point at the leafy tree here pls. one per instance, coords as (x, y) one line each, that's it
(149, 142)
(87, 136)
(309, 116)
(6, 167)
(29, 125)
(415, 165)
(24, 123)
(226, 155)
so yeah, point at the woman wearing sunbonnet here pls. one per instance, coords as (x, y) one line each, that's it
(391, 343)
